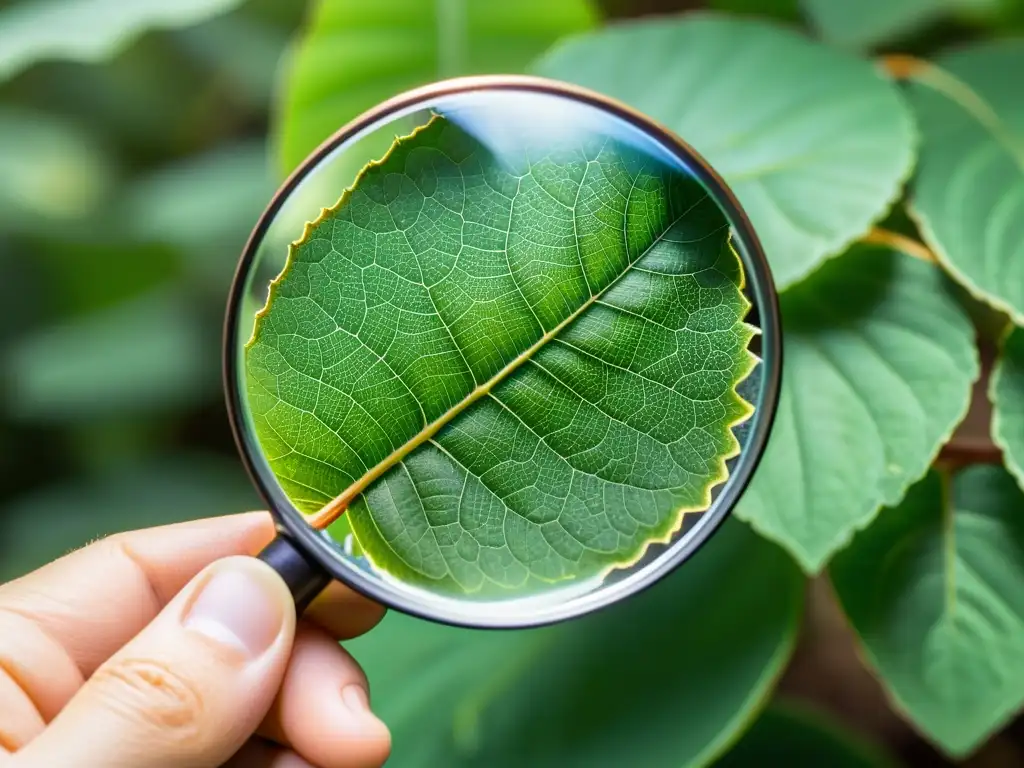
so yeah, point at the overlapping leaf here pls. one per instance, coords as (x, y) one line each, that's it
(935, 589)
(879, 366)
(1006, 391)
(788, 734)
(812, 165)
(88, 30)
(969, 190)
(667, 679)
(514, 370)
(869, 22)
(355, 54)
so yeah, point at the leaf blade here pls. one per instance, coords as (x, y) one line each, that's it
(950, 574)
(81, 30)
(788, 734)
(476, 693)
(1006, 391)
(855, 144)
(969, 187)
(356, 54)
(871, 391)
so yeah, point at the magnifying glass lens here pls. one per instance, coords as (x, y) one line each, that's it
(499, 347)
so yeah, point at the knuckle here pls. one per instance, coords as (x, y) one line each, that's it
(151, 691)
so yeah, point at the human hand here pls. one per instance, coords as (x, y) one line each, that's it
(146, 649)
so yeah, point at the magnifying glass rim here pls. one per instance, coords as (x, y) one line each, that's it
(289, 520)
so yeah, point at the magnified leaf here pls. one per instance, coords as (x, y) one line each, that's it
(812, 165)
(1006, 390)
(969, 190)
(666, 679)
(88, 30)
(788, 734)
(511, 371)
(879, 365)
(355, 54)
(935, 589)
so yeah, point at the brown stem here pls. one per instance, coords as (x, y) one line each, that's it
(902, 66)
(972, 443)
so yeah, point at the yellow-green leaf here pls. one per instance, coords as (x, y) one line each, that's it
(355, 54)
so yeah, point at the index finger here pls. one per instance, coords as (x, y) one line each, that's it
(95, 599)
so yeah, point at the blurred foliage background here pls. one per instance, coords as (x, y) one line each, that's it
(128, 187)
(137, 149)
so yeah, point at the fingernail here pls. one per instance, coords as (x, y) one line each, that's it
(239, 605)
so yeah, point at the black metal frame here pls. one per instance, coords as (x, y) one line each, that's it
(307, 544)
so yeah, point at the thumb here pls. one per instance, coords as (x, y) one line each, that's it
(190, 688)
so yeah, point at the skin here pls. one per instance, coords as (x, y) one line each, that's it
(166, 647)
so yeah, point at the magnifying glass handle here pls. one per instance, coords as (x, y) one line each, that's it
(305, 578)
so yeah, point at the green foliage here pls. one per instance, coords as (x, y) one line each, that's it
(129, 187)
(52, 172)
(487, 335)
(165, 489)
(935, 589)
(1006, 391)
(354, 54)
(879, 362)
(669, 678)
(88, 30)
(789, 735)
(867, 23)
(969, 190)
(63, 373)
(812, 165)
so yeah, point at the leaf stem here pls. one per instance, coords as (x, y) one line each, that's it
(907, 245)
(903, 66)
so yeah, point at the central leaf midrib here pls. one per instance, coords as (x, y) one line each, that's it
(331, 511)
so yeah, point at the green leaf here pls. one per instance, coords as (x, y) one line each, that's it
(51, 171)
(867, 23)
(790, 734)
(137, 356)
(815, 143)
(88, 30)
(668, 678)
(1006, 391)
(355, 54)
(511, 369)
(935, 590)
(48, 523)
(968, 196)
(879, 363)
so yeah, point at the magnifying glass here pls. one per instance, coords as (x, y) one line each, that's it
(500, 352)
